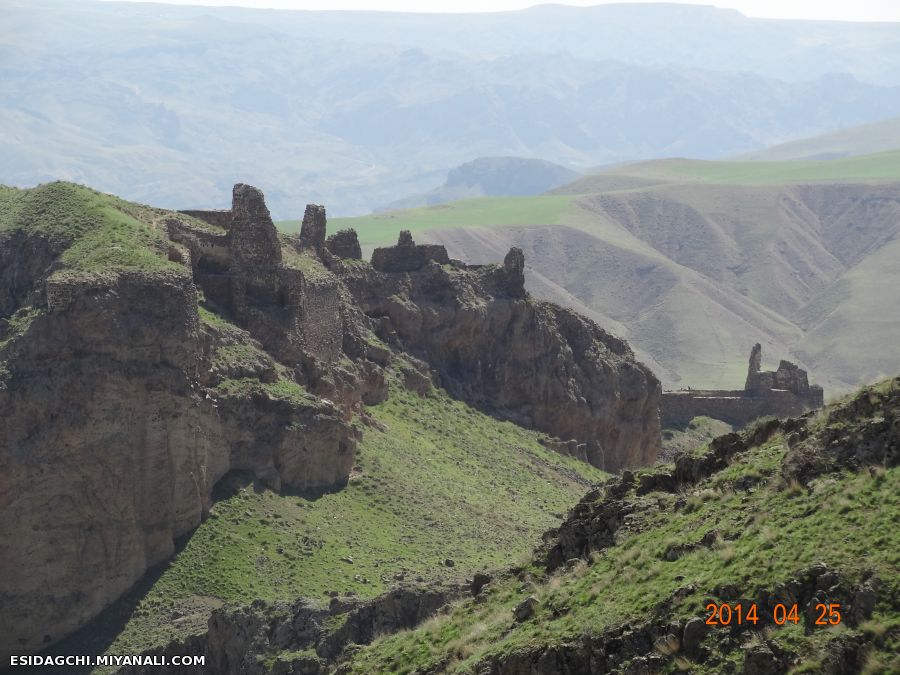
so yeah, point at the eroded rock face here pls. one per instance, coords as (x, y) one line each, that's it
(114, 436)
(531, 362)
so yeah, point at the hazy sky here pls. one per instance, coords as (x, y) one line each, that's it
(845, 10)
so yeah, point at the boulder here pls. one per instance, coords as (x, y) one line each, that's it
(525, 609)
(694, 631)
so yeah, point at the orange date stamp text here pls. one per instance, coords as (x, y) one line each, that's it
(748, 613)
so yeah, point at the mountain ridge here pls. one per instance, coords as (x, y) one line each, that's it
(491, 177)
(880, 136)
(322, 111)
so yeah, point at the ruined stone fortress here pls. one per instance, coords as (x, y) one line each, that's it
(288, 294)
(242, 255)
(243, 268)
(782, 392)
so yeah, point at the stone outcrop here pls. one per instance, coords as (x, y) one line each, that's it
(862, 432)
(407, 256)
(649, 646)
(295, 637)
(117, 424)
(781, 393)
(531, 362)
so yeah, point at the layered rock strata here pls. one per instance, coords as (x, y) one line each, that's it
(114, 436)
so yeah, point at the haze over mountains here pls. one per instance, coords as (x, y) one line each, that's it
(356, 110)
(492, 177)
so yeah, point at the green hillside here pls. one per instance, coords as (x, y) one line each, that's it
(378, 229)
(435, 481)
(97, 231)
(743, 531)
(693, 262)
(860, 140)
(884, 166)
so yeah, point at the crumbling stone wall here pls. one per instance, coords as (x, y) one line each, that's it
(62, 291)
(407, 256)
(788, 376)
(680, 407)
(254, 239)
(241, 270)
(312, 230)
(345, 244)
(321, 319)
(206, 248)
(784, 392)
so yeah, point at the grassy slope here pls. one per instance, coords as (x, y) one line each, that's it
(685, 260)
(93, 232)
(861, 317)
(847, 520)
(883, 166)
(699, 431)
(100, 232)
(439, 481)
(380, 229)
(860, 140)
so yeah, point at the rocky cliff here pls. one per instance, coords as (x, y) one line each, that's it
(531, 362)
(146, 354)
(122, 408)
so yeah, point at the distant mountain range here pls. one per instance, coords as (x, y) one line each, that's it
(492, 177)
(172, 104)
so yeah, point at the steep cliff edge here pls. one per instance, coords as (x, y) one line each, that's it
(122, 409)
(531, 362)
(145, 354)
